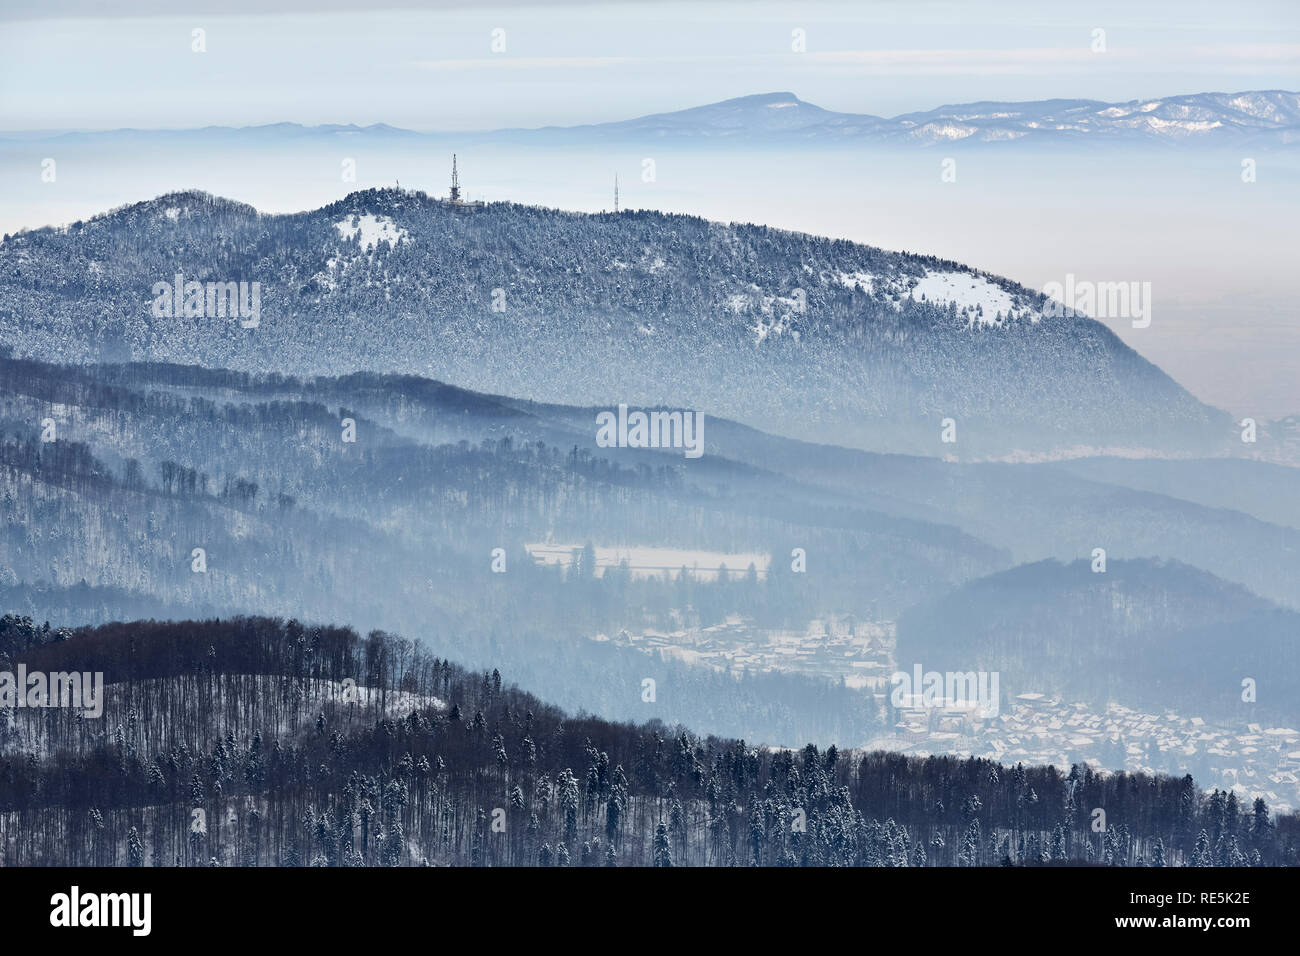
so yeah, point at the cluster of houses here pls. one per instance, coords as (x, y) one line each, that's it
(1252, 760)
(1031, 728)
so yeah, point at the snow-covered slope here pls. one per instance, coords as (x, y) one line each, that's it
(798, 334)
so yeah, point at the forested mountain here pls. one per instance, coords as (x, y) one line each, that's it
(1152, 634)
(264, 742)
(791, 333)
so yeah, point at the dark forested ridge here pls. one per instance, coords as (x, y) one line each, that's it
(256, 741)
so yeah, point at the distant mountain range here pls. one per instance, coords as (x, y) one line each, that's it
(1264, 117)
(822, 339)
(1271, 116)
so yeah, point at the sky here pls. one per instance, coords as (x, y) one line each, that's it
(95, 65)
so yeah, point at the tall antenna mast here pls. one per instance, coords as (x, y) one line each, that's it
(616, 192)
(455, 181)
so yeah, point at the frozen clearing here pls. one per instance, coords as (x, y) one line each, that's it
(373, 230)
(968, 292)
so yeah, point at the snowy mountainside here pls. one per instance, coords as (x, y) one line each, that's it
(798, 334)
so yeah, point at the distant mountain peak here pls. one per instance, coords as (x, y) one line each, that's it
(764, 99)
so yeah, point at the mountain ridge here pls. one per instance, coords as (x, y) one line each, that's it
(1265, 116)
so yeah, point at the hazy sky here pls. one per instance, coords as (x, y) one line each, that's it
(84, 64)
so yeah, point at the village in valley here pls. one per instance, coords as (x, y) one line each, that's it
(1251, 760)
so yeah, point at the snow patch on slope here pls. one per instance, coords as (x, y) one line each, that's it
(372, 229)
(980, 299)
(854, 279)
